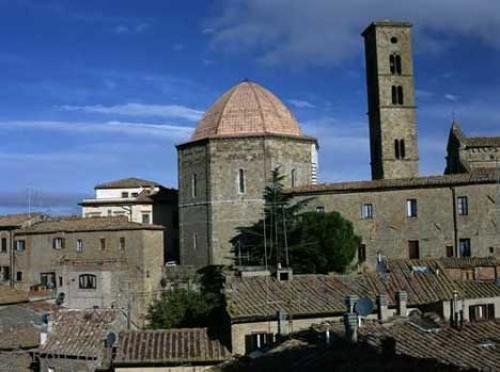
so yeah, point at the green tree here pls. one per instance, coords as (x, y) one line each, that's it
(309, 242)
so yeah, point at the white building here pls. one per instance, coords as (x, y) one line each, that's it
(140, 201)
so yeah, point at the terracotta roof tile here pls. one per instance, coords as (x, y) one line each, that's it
(172, 346)
(69, 224)
(17, 220)
(124, 183)
(468, 262)
(247, 108)
(485, 175)
(262, 297)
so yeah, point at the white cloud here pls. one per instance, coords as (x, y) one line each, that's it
(300, 103)
(175, 132)
(323, 32)
(139, 109)
(451, 97)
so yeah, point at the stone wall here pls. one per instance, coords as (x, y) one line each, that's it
(219, 207)
(436, 226)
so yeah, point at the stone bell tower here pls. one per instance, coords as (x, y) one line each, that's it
(391, 100)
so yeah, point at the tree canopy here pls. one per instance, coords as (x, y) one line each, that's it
(309, 242)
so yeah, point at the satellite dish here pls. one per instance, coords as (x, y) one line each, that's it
(363, 306)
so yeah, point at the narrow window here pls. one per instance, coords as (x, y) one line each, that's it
(400, 95)
(3, 248)
(4, 273)
(392, 64)
(103, 244)
(58, 243)
(449, 251)
(396, 149)
(146, 218)
(367, 211)
(135, 194)
(20, 245)
(293, 177)
(258, 341)
(19, 276)
(394, 92)
(124, 194)
(413, 250)
(87, 281)
(195, 241)
(320, 209)
(411, 208)
(60, 281)
(194, 185)
(463, 206)
(464, 248)
(122, 243)
(79, 245)
(398, 64)
(362, 253)
(241, 181)
(402, 150)
(110, 212)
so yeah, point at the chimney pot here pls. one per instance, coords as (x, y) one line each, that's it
(402, 301)
(351, 327)
(383, 307)
(350, 300)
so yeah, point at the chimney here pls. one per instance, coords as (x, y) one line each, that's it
(383, 307)
(402, 300)
(351, 327)
(282, 323)
(284, 274)
(350, 300)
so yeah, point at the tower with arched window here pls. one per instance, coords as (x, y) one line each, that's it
(391, 100)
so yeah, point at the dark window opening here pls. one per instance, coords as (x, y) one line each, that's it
(60, 281)
(411, 208)
(320, 209)
(194, 185)
(402, 150)
(395, 64)
(3, 248)
(146, 219)
(400, 95)
(19, 276)
(241, 181)
(258, 341)
(58, 243)
(462, 206)
(87, 281)
(122, 243)
(413, 250)
(396, 149)
(464, 248)
(392, 64)
(103, 244)
(48, 280)
(449, 251)
(4, 273)
(394, 39)
(398, 65)
(20, 245)
(481, 312)
(124, 194)
(394, 95)
(362, 253)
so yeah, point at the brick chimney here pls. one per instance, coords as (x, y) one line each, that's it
(402, 301)
(383, 307)
(351, 327)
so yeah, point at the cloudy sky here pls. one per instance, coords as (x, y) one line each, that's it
(96, 90)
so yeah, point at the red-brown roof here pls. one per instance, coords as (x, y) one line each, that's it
(18, 220)
(308, 295)
(170, 347)
(124, 183)
(247, 108)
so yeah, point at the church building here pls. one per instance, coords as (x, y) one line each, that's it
(223, 170)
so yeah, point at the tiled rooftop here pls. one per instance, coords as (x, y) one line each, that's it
(247, 108)
(124, 183)
(17, 220)
(262, 297)
(80, 332)
(484, 176)
(173, 346)
(468, 262)
(71, 224)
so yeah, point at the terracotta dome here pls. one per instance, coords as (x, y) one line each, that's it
(247, 108)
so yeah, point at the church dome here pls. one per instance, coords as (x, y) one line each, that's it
(245, 109)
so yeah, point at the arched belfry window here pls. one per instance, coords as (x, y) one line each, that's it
(397, 95)
(400, 95)
(402, 150)
(395, 64)
(241, 181)
(396, 149)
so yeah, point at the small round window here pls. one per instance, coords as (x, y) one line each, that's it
(394, 39)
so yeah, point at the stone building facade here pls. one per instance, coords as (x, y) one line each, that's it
(248, 132)
(224, 169)
(92, 262)
(470, 153)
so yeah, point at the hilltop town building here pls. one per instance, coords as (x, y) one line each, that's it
(225, 167)
(141, 201)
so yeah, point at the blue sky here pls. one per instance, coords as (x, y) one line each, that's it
(97, 90)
